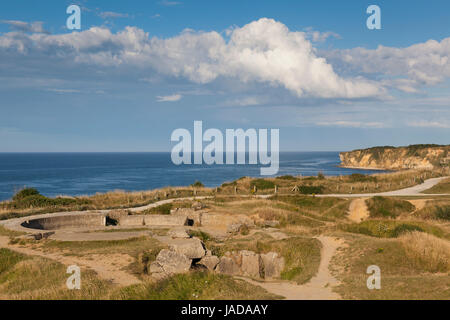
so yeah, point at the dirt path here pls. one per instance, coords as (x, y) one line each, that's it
(319, 287)
(108, 267)
(411, 191)
(357, 210)
(419, 204)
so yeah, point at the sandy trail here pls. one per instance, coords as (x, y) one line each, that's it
(357, 210)
(107, 267)
(319, 287)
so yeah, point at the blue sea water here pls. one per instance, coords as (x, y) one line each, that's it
(88, 173)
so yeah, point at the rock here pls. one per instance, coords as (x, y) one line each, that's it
(210, 262)
(42, 235)
(271, 223)
(170, 262)
(278, 235)
(228, 266)
(117, 214)
(191, 248)
(198, 206)
(178, 233)
(250, 264)
(273, 265)
(234, 228)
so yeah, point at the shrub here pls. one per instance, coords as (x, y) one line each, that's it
(358, 177)
(405, 228)
(381, 207)
(205, 237)
(197, 184)
(24, 193)
(311, 189)
(443, 213)
(262, 184)
(390, 228)
(286, 177)
(320, 175)
(162, 209)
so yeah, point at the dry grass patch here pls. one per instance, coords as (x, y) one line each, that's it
(426, 251)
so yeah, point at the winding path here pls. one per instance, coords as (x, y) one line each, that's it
(319, 287)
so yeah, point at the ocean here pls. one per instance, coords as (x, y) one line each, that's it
(75, 174)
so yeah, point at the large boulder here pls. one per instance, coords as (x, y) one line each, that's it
(273, 265)
(228, 266)
(178, 233)
(169, 262)
(250, 264)
(210, 262)
(191, 248)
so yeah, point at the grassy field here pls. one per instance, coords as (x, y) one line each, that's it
(195, 286)
(34, 203)
(404, 274)
(35, 278)
(410, 244)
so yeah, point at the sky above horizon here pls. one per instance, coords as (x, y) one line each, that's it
(137, 70)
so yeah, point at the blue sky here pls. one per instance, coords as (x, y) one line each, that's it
(137, 70)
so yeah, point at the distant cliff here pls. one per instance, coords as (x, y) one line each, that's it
(420, 156)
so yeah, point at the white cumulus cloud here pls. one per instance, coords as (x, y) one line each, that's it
(264, 51)
(171, 98)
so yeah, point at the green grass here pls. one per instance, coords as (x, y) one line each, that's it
(165, 208)
(382, 207)
(204, 236)
(262, 184)
(391, 228)
(195, 286)
(311, 189)
(317, 204)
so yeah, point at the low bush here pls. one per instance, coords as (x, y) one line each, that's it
(381, 207)
(311, 189)
(262, 184)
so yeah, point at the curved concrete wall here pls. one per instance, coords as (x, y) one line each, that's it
(152, 220)
(66, 222)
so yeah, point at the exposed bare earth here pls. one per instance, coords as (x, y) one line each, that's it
(358, 210)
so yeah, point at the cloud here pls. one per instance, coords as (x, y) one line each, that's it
(63, 90)
(426, 63)
(264, 51)
(110, 14)
(169, 3)
(351, 124)
(317, 36)
(172, 98)
(36, 27)
(429, 124)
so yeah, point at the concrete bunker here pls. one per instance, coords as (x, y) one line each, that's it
(66, 222)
